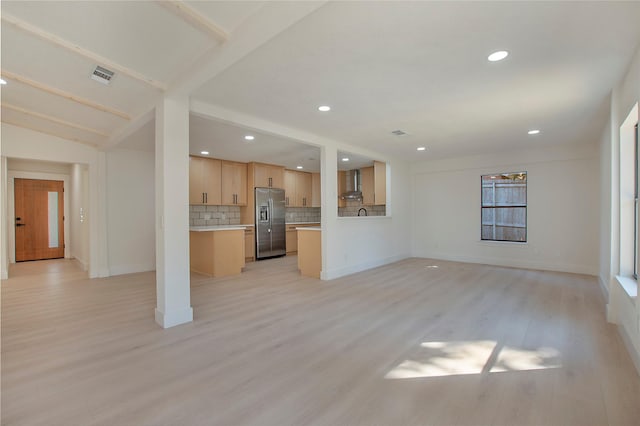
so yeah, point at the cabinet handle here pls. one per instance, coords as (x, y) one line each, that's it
(203, 198)
(270, 182)
(206, 197)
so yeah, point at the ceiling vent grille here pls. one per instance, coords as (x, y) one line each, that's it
(398, 133)
(102, 75)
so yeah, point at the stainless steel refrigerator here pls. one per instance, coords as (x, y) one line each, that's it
(270, 227)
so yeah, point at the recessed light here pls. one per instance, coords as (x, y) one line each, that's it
(249, 137)
(324, 108)
(2, 81)
(498, 56)
(533, 132)
(204, 152)
(299, 167)
(421, 148)
(345, 159)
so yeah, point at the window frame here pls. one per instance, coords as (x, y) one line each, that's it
(525, 206)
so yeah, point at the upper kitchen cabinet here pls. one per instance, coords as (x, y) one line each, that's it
(380, 183)
(303, 189)
(374, 184)
(297, 188)
(266, 175)
(234, 183)
(289, 188)
(342, 187)
(204, 181)
(316, 194)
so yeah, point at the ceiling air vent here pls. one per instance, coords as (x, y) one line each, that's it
(102, 75)
(399, 132)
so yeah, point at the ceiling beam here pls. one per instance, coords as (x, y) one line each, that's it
(195, 19)
(91, 144)
(53, 119)
(66, 95)
(99, 60)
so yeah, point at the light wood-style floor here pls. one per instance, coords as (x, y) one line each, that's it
(419, 342)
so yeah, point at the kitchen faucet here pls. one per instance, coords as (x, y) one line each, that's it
(365, 211)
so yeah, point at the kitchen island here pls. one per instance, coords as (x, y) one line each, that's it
(217, 251)
(310, 251)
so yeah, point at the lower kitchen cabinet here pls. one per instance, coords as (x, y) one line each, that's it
(217, 253)
(249, 244)
(292, 235)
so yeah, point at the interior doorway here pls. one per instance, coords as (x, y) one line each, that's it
(39, 219)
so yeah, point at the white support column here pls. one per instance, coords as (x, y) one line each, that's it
(329, 182)
(172, 212)
(4, 228)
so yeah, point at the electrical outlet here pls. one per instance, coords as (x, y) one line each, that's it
(207, 216)
(223, 216)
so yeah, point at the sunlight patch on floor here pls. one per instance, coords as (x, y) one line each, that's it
(437, 359)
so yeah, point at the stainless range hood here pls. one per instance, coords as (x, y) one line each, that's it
(354, 186)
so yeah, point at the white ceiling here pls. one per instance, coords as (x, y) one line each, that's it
(416, 66)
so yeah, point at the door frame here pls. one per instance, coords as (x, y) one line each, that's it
(11, 208)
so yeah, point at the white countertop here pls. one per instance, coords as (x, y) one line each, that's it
(299, 223)
(309, 228)
(218, 228)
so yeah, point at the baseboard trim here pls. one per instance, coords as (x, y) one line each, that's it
(513, 263)
(171, 319)
(84, 265)
(131, 269)
(352, 269)
(631, 350)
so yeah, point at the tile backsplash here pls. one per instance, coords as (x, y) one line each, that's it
(302, 214)
(213, 215)
(354, 205)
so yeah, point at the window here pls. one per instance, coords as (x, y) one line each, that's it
(504, 207)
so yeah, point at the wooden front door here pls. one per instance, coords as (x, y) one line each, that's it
(39, 206)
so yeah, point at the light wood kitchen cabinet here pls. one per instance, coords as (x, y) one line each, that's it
(368, 185)
(303, 189)
(291, 239)
(316, 187)
(310, 252)
(204, 181)
(217, 253)
(234, 183)
(297, 188)
(342, 187)
(374, 184)
(380, 183)
(249, 244)
(292, 235)
(267, 176)
(290, 181)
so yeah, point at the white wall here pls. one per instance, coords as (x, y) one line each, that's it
(562, 209)
(358, 243)
(622, 309)
(26, 144)
(79, 217)
(131, 211)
